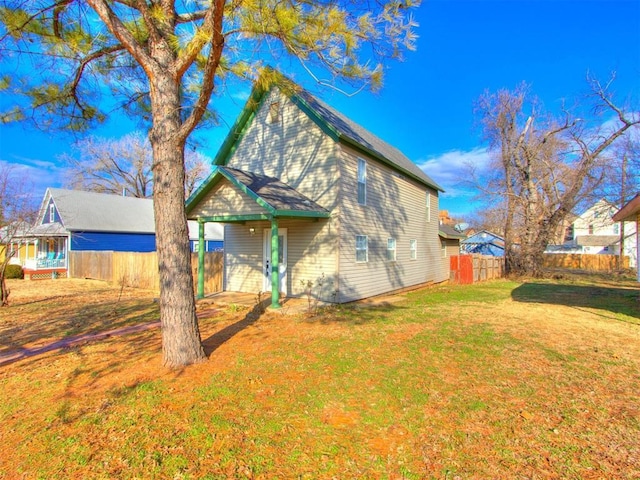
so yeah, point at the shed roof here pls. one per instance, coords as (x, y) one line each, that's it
(447, 231)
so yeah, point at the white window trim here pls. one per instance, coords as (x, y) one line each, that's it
(443, 246)
(366, 249)
(413, 249)
(363, 162)
(428, 206)
(394, 249)
(52, 213)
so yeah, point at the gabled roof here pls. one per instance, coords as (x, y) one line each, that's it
(276, 197)
(629, 211)
(340, 128)
(81, 211)
(484, 237)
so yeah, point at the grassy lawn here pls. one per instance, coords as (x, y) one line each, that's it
(532, 379)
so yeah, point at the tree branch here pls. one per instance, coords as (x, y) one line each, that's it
(83, 64)
(210, 68)
(118, 29)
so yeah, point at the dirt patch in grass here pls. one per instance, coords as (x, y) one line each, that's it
(498, 380)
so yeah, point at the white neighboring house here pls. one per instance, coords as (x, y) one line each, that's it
(595, 232)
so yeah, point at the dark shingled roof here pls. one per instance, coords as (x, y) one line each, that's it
(361, 136)
(447, 231)
(277, 194)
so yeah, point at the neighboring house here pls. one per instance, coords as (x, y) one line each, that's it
(449, 244)
(73, 220)
(630, 214)
(596, 232)
(11, 238)
(307, 195)
(213, 237)
(483, 243)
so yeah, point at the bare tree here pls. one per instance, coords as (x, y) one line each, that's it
(17, 214)
(124, 166)
(543, 166)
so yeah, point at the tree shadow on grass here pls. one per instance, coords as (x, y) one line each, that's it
(213, 342)
(625, 301)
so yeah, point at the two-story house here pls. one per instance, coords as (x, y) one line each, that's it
(596, 232)
(307, 195)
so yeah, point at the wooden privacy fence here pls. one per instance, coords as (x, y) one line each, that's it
(580, 261)
(140, 270)
(468, 269)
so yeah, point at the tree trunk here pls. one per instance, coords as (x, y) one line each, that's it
(181, 343)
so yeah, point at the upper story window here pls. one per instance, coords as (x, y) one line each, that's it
(428, 207)
(591, 229)
(362, 182)
(616, 228)
(391, 249)
(413, 249)
(52, 213)
(362, 248)
(274, 112)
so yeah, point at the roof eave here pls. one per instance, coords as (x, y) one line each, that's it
(629, 212)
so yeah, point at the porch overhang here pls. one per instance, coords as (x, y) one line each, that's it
(275, 199)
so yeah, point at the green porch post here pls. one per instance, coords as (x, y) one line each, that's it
(200, 259)
(275, 267)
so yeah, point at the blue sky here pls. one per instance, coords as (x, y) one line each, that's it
(426, 105)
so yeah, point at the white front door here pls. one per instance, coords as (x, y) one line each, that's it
(282, 259)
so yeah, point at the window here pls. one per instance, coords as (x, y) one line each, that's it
(362, 182)
(413, 249)
(52, 213)
(428, 207)
(590, 229)
(443, 246)
(616, 229)
(362, 248)
(391, 249)
(274, 112)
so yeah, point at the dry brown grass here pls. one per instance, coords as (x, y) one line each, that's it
(501, 380)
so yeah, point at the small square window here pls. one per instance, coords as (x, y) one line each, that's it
(391, 249)
(362, 248)
(413, 249)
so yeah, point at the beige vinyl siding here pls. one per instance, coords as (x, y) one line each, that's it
(396, 208)
(225, 199)
(311, 252)
(294, 150)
